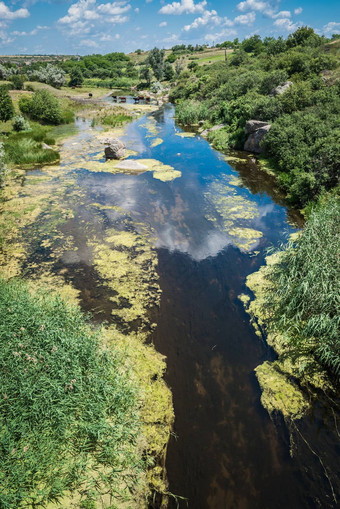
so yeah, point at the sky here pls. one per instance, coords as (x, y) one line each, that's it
(97, 26)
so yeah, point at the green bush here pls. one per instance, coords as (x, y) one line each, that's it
(42, 106)
(68, 412)
(6, 105)
(20, 124)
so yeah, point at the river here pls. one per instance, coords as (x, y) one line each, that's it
(210, 222)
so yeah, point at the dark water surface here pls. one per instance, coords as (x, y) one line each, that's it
(226, 452)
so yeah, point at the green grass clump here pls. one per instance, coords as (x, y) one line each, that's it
(116, 120)
(303, 299)
(27, 151)
(190, 112)
(68, 413)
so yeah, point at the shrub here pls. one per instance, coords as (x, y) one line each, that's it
(6, 105)
(20, 124)
(18, 81)
(42, 106)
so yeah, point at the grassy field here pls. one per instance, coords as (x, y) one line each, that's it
(210, 55)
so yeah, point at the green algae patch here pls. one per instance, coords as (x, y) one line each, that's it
(156, 142)
(147, 368)
(160, 171)
(231, 212)
(127, 263)
(186, 135)
(279, 394)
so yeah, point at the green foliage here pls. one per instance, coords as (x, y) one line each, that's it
(190, 112)
(304, 118)
(303, 301)
(20, 124)
(76, 77)
(27, 151)
(67, 410)
(6, 105)
(116, 120)
(43, 107)
(18, 81)
(156, 61)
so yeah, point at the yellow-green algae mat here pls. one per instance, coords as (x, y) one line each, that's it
(126, 263)
(279, 392)
(234, 212)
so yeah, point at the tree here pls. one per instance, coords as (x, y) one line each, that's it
(169, 72)
(6, 105)
(146, 74)
(18, 81)
(304, 36)
(76, 77)
(156, 61)
(179, 66)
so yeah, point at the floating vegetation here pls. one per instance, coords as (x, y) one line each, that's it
(186, 134)
(156, 142)
(127, 263)
(278, 393)
(231, 212)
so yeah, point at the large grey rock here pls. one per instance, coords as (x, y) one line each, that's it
(254, 125)
(115, 149)
(253, 143)
(281, 88)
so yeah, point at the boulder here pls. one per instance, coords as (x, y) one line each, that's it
(281, 88)
(115, 148)
(254, 125)
(253, 142)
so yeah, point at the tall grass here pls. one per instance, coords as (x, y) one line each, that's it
(305, 299)
(68, 413)
(116, 120)
(191, 112)
(27, 151)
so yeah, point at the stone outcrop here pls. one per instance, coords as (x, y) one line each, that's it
(115, 149)
(256, 131)
(281, 88)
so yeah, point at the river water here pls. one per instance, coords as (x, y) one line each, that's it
(211, 226)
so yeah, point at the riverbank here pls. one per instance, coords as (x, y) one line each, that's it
(44, 241)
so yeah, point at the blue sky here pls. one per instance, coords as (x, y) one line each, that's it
(98, 26)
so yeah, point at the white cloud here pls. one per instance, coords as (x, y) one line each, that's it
(298, 11)
(228, 32)
(245, 19)
(282, 14)
(331, 28)
(183, 7)
(163, 24)
(7, 14)
(89, 43)
(287, 24)
(253, 5)
(268, 8)
(207, 17)
(88, 10)
(137, 10)
(108, 37)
